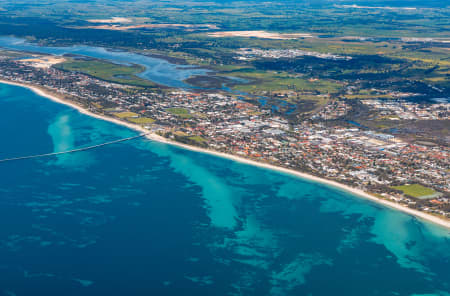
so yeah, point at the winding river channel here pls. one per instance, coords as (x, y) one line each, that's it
(156, 69)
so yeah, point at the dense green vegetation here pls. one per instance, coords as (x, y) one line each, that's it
(191, 140)
(322, 17)
(381, 58)
(395, 52)
(107, 71)
(278, 81)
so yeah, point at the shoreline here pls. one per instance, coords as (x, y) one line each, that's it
(151, 136)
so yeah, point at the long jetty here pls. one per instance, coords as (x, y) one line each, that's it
(73, 150)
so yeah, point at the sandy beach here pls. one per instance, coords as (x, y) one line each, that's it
(357, 192)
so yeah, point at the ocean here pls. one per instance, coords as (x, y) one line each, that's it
(146, 218)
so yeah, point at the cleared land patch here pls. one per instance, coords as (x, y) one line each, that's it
(115, 19)
(261, 34)
(43, 61)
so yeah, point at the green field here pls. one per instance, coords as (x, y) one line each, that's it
(281, 81)
(180, 112)
(107, 71)
(197, 139)
(133, 117)
(284, 16)
(125, 114)
(415, 190)
(424, 62)
(141, 120)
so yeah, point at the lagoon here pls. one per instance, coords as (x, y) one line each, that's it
(156, 69)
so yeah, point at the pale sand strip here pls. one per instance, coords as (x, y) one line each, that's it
(436, 220)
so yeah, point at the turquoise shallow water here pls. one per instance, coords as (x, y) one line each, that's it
(144, 218)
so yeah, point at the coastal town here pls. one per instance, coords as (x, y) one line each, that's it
(385, 165)
(225, 148)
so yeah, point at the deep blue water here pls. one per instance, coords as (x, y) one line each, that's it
(144, 218)
(156, 69)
